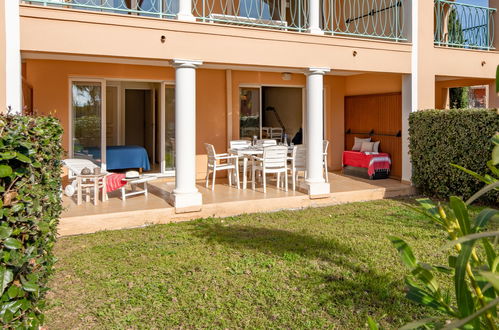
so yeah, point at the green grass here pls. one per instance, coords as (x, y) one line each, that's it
(323, 267)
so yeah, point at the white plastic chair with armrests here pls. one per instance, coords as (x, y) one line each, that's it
(214, 165)
(274, 160)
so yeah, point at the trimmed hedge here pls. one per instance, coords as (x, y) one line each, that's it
(30, 206)
(438, 138)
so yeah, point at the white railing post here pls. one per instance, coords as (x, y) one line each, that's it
(185, 197)
(314, 17)
(316, 185)
(13, 87)
(185, 11)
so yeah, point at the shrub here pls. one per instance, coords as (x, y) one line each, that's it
(475, 269)
(438, 138)
(30, 206)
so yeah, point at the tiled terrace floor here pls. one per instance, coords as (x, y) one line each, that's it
(224, 201)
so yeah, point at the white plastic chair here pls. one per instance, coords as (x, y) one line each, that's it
(266, 143)
(275, 161)
(298, 163)
(276, 133)
(214, 165)
(325, 145)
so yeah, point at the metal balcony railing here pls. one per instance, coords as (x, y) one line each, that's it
(274, 14)
(380, 19)
(463, 25)
(150, 8)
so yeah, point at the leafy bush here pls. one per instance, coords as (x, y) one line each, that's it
(438, 138)
(30, 206)
(473, 304)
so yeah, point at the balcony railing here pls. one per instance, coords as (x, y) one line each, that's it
(380, 19)
(463, 25)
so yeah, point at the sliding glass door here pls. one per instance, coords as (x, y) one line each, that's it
(88, 118)
(167, 124)
(249, 114)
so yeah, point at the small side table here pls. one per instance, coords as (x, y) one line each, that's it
(134, 182)
(95, 181)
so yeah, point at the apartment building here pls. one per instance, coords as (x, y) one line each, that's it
(171, 75)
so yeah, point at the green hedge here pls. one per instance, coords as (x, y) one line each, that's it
(30, 206)
(459, 136)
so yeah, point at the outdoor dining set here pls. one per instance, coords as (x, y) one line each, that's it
(260, 157)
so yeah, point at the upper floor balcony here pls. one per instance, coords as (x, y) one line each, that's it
(464, 25)
(379, 19)
(456, 24)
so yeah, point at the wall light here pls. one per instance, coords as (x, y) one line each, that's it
(286, 76)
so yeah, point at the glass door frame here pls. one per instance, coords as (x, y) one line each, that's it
(248, 86)
(103, 145)
(303, 106)
(162, 120)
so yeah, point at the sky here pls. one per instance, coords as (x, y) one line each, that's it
(484, 3)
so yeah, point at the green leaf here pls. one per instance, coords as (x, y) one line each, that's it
(470, 237)
(490, 253)
(405, 252)
(483, 191)
(12, 243)
(473, 174)
(6, 276)
(5, 170)
(372, 324)
(7, 155)
(5, 232)
(29, 286)
(427, 278)
(423, 297)
(17, 207)
(495, 155)
(482, 219)
(13, 291)
(461, 213)
(471, 318)
(418, 324)
(428, 206)
(22, 158)
(464, 299)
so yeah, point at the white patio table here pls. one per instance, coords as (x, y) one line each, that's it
(246, 154)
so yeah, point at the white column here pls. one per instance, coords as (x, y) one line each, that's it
(406, 111)
(13, 94)
(314, 17)
(316, 185)
(185, 197)
(185, 11)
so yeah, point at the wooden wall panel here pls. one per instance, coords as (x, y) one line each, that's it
(381, 113)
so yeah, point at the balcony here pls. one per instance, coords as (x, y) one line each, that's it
(376, 19)
(464, 25)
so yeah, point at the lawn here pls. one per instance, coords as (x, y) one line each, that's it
(314, 268)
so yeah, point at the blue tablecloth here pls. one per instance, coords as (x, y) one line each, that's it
(123, 157)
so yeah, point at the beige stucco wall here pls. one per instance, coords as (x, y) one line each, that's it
(50, 82)
(66, 31)
(3, 102)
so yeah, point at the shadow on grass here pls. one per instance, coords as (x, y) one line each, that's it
(340, 277)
